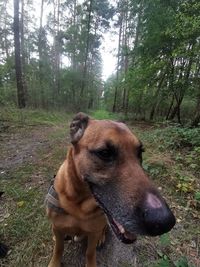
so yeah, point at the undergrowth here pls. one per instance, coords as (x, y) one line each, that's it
(32, 117)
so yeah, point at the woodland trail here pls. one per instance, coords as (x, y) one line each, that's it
(30, 155)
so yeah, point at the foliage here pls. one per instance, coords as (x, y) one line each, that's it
(60, 53)
(197, 196)
(178, 137)
(165, 240)
(158, 61)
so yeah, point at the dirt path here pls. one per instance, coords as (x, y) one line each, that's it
(112, 254)
(19, 145)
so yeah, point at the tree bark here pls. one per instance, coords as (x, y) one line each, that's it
(118, 62)
(40, 54)
(196, 120)
(18, 66)
(83, 83)
(179, 98)
(156, 102)
(23, 53)
(126, 58)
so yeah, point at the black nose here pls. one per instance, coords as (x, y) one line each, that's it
(158, 219)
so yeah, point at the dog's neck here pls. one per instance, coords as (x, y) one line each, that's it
(76, 188)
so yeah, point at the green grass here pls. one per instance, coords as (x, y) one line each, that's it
(26, 228)
(104, 115)
(35, 117)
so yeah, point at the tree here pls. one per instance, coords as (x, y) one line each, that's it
(18, 64)
(162, 52)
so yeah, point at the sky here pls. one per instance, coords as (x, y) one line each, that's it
(108, 53)
(109, 49)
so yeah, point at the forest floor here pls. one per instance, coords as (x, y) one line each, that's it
(34, 144)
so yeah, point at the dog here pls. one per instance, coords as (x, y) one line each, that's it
(102, 182)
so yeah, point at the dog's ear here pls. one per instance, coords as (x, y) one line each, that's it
(78, 126)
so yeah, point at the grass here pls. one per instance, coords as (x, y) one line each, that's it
(25, 228)
(23, 224)
(172, 160)
(32, 117)
(104, 115)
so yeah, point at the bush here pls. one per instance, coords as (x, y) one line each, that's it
(176, 137)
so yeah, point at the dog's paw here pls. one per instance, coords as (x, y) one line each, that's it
(102, 238)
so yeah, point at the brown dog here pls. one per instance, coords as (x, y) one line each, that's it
(102, 181)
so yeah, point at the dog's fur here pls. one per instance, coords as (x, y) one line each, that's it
(102, 175)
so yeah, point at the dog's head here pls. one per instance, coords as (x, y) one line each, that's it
(108, 156)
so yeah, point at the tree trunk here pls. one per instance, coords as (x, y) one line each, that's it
(57, 49)
(23, 52)
(18, 66)
(56, 52)
(126, 58)
(156, 102)
(196, 119)
(118, 62)
(170, 108)
(180, 93)
(127, 102)
(176, 111)
(6, 46)
(136, 42)
(83, 83)
(40, 54)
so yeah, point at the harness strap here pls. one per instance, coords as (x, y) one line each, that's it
(52, 201)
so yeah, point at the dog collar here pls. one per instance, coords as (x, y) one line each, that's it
(52, 201)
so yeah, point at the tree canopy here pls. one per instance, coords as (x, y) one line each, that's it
(57, 60)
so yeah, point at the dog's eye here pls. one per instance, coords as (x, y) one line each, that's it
(104, 154)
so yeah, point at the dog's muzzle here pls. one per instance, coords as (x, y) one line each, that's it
(151, 216)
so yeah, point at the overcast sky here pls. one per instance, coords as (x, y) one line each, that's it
(108, 52)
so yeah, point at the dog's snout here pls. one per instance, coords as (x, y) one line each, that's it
(157, 216)
(153, 201)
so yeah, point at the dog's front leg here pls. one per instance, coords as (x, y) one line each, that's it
(58, 249)
(93, 239)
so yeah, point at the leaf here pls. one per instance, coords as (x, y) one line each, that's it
(182, 262)
(160, 254)
(165, 240)
(197, 196)
(164, 263)
(20, 204)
